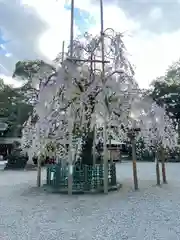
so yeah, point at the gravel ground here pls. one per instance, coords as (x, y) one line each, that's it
(150, 213)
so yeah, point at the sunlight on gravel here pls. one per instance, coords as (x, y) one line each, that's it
(150, 213)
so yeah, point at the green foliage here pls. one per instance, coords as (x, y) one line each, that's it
(14, 109)
(166, 91)
(26, 70)
(16, 160)
(33, 72)
(17, 103)
(169, 96)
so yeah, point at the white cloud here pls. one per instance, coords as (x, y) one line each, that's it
(58, 20)
(83, 5)
(150, 53)
(8, 80)
(156, 13)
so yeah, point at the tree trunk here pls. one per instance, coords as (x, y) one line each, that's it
(163, 166)
(87, 156)
(157, 170)
(39, 172)
(134, 164)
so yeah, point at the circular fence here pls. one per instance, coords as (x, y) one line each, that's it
(85, 177)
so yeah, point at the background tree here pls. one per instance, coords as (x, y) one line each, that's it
(29, 69)
(34, 74)
(14, 109)
(166, 92)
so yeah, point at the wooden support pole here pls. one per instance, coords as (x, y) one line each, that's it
(135, 178)
(70, 166)
(39, 172)
(105, 155)
(63, 45)
(70, 160)
(158, 179)
(105, 160)
(94, 147)
(72, 29)
(86, 60)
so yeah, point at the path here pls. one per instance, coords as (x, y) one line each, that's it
(151, 213)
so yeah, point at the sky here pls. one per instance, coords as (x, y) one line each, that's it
(31, 29)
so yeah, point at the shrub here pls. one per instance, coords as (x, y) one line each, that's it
(16, 160)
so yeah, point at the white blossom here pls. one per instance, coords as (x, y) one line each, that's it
(76, 98)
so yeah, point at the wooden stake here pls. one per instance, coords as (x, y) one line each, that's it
(134, 163)
(157, 169)
(39, 172)
(63, 44)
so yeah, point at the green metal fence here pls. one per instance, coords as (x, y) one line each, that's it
(85, 178)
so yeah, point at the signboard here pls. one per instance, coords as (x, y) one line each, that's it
(3, 126)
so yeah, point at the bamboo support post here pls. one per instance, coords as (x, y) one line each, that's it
(105, 159)
(158, 179)
(70, 166)
(70, 160)
(63, 45)
(94, 147)
(135, 178)
(105, 122)
(39, 172)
